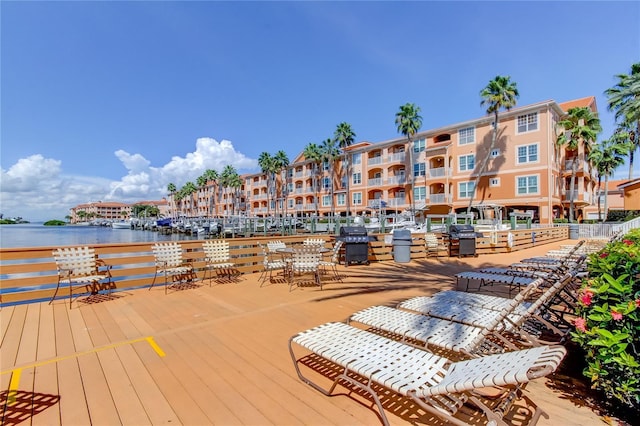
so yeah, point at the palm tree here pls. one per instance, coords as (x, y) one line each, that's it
(281, 162)
(624, 99)
(500, 93)
(330, 153)
(606, 157)
(345, 136)
(408, 122)
(581, 127)
(313, 154)
(267, 165)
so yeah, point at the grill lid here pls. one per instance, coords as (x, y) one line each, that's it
(353, 230)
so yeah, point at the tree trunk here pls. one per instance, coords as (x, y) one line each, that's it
(599, 192)
(574, 171)
(494, 137)
(411, 177)
(606, 195)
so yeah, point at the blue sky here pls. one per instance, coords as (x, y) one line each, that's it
(114, 100)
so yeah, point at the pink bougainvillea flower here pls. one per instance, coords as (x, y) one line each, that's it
(586, 297)
(603, 255)
(628, 242)
(637, 303)
(581, 324)
(616, 315)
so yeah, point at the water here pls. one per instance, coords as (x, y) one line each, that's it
(38, 235)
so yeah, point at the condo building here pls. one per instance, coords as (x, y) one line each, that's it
(435, 174)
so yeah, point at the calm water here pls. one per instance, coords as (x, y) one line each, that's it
(38, 235)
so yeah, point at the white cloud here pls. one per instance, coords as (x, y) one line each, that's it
(37, 189)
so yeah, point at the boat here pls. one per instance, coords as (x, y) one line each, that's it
(122, 224)
(163, 222)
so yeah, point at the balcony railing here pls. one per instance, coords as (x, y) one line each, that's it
(395, 158)
(440, 198)
(393, 180)
(375, 182)
(374, 161)
(439, 172)
(396, 202)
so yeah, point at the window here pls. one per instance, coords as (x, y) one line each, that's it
(465, 189)
(420, 193)
(466, 136)
(357, 198)
(418, 169)
(418, 146)
(290, 203)
(528, 154)
(356, 158)
(326, 200)
(340, 199)
(527, 185)
(357, 178)
(326, 183)
(494, 182)
(528, 122)
(495, 153)
(325, 165)
(466, 162)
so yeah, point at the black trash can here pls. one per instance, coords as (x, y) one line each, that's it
(402, 245)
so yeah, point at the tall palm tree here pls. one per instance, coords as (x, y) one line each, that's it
(313, 153)
(408, 122)
(500, 93)
(345, 136)
(581, 128)
(281, 163)
(606, 157)
(267, 165)
(624, 99)
(330, 153)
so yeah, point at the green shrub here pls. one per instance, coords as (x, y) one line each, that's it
(608, 320)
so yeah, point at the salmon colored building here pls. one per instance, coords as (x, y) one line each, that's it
(631, 194)
(112, 210)
(527, 172)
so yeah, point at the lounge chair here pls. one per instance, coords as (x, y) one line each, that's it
(436, 384)
(305, 260)
(171, 263)
(484, 279)
(334, 261)
(524, 322)
(80, 267)
(218, 258)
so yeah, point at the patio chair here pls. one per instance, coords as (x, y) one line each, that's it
(170, 262)
(270, 264)
(305, 260)
(433, 245)
(275, 245)
(524, 322)
(435, 383)
(218, 258)
(80, 267)
(334, 261)
(314, 241)
(485, 279)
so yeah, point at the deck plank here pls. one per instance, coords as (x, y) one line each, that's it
(226, 352)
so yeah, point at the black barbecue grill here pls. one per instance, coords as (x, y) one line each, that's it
(462, 240)
(356, 244)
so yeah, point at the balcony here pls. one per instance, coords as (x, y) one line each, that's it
(396, 180)
(374, 161)
(440, 199)
(439, 172)
(397, 202)
(579, 196)
(397, 158)
(375, 182)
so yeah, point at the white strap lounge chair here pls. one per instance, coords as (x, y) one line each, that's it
(334, 261)
(218, 258)
(435, 383)
(171, 263)
(463, 310)
(305, 260)
(270, 264)
(484, 279)
(80, 267)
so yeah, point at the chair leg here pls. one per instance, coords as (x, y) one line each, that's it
(55, 293)
(154, 279)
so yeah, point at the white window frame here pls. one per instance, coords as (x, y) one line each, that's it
(341, 200)
(419, 193)
(527, 186)
(419, 145)
(467, 135)
(495, 153)
(326, 201)
(326, 183)
(527, 123)
(419, 169)
(356, 178)
(528, 153)
(356, 158)
(468, 189)
(494, 182)
(356, 198)
(466, 162)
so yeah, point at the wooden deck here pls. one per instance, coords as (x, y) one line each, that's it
(217, 354)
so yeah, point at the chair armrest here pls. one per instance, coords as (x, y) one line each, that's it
(103, 266)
